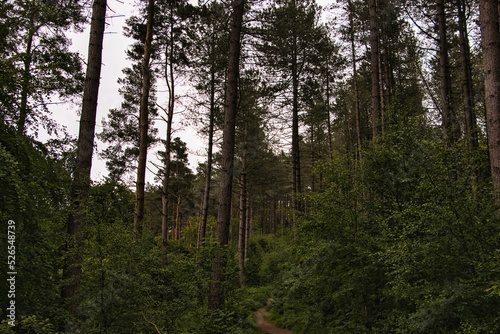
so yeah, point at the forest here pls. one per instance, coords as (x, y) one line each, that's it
(350, 179)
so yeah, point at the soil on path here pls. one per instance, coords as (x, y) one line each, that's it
(266, 326)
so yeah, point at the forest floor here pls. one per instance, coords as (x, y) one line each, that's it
(265, 326)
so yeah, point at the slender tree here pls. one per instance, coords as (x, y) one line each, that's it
(173, 35)
(216, 295)
(451, 130)
(375, 69)
(144, 120)
(357, 108)
(290, 33)
(211, 41)
(81, 176)
(242, 228)
(121, 130)
(490, 41)
(467, 80)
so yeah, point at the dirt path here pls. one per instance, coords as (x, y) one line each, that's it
(266, 326)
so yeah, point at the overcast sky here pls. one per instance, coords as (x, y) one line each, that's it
(114, 60)
(115, 44)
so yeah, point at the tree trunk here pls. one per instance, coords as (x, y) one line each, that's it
(355, 81)
(216, 294)
(143, 123)
(248, 225)
(450, 126)
(375, 70)
(178, 227)
(467, 84)
(328, 120)
(296, 174)
(81, 177)
(490, 38)
(208, 176)
(170, 80)
(242, 225)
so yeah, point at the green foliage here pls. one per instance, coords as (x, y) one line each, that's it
(36, 62)
(34, 195)
(403, 242)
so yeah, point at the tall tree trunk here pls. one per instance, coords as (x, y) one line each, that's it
(243, 222)
(355, 81)
(248, 225)
(375, 70)
(490, 38)
(170, 80)
(328, 120)
(296, 174)
(450, 126)
(208, 176)
(216, 294)
(243, 208)
(178, 227)
(81, 177)
(467, 84)
(143, 123)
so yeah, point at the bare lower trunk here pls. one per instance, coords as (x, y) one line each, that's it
(355, 83)
(170, 79)
(297, 186)
(208, 176)
(328, 120)
(467, 84)
(143, 124)
(242, 226)
(216, 294)
(490, 37)
(248, 226)
(81, 178)
(450, 129)
(375, 71)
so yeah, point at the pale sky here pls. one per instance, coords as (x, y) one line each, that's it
(115, 44)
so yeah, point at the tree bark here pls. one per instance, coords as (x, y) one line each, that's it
(143, 123)
(81, 177)
(467, 83)
(248, 225)
(170, 80)
(208, 176)
(328, 108)
(490, 40)
(216, 294)
(375, 70)
(355, 81)
(242, 225)
(450, 126)
(296, 173)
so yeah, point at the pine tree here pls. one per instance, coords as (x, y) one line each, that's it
(37, 61)
(216, 294)
(490, 41)
(121, 128)
(290, 34)
(85, 147)
(173, 35)
(209, 63)
(144, 119)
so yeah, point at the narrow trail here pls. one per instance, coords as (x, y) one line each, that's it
(266, 326)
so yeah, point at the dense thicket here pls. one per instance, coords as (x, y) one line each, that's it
(350, 183)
